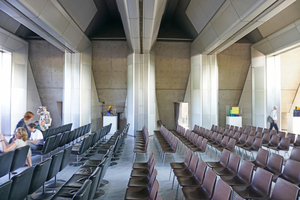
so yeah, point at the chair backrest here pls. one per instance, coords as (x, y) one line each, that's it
(275, 162)
(252, 133)
(214, 136)
(209, 181)
(262, 156)
(39, 175)
(250, 140)
(262, 181)
(284, 190)
(243, 138)
(55, 165)
(5, 189)
(219, 138)
(273, 132)
(20, 185)
(231, 134)
(19, 158)
(257, 143)
(224, 141)
(295, 154)
(65, 158)
(222, 191)
(266, 138)
(292, 137)
(154, 190)
(199, 141)
(274, 140)
(194, 162)
(231, 145)
(281, 134)
(188, 157)
(236, 136)
(284, 143)
(259, 135)
(297, 142)
(83, 192)
(94, 177)
(291, 171)
(246, 171)
(225, 157)
(203, 144)
(5, 162)
(233, 163)
(259, 129)
(200, 172)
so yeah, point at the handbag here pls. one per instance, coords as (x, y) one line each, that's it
(269, 119)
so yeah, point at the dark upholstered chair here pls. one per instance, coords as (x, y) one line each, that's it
(19, 158)
(259, 188)
(222, 191)
(223, 160)
(39, 175)
(205, 191)
(291, 172)
(295, 154)
(274, 164)
(284, 190)
(231, 168)
(261, 158)
(243, 177)
(5, 190)
(5, 162)
(20, 185)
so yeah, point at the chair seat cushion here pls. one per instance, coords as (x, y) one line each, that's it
(192, 193)
(76, 180)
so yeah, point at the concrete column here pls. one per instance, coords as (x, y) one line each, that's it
(259, 89)
(204, 90)
(274, 86)
(141, 98)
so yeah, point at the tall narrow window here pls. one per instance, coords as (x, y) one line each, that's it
(5, 91)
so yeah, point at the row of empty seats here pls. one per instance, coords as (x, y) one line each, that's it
(54, 131)
(141, 142)
(142, 183)
(166, 142)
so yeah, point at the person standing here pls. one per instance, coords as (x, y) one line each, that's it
(273, 115)
(44, 115)
(22, 124)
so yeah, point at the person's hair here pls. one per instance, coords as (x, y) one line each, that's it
(23, 133)
(275, 107)
(28, 115)
(32, 125)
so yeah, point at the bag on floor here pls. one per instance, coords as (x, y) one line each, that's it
(269, 119)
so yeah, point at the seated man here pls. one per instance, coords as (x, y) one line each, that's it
(36, 140)
(41, 125)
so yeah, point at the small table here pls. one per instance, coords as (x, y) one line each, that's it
(235, 121)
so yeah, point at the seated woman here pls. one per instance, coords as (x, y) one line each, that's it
(41, 125)
(20, 141)
(36, 141)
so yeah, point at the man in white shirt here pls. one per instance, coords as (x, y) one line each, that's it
(273, 115)
(36, 140)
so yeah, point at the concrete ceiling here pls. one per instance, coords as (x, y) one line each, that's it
(211, 25)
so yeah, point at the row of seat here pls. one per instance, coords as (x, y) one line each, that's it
(141, 142)
(13, 160)
(198, 181)
(240, 177)
(31, 179)
(190, 140)
(88, 142)
(92, 171)
(142, 183)
(166, 142)
(53, 131)
(61, 140)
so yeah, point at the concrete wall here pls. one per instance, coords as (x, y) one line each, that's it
(233, 66)
(172, 68)
(290, 70)
(109, 65)
(33, 97)
(47, 64)
(97, 122)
